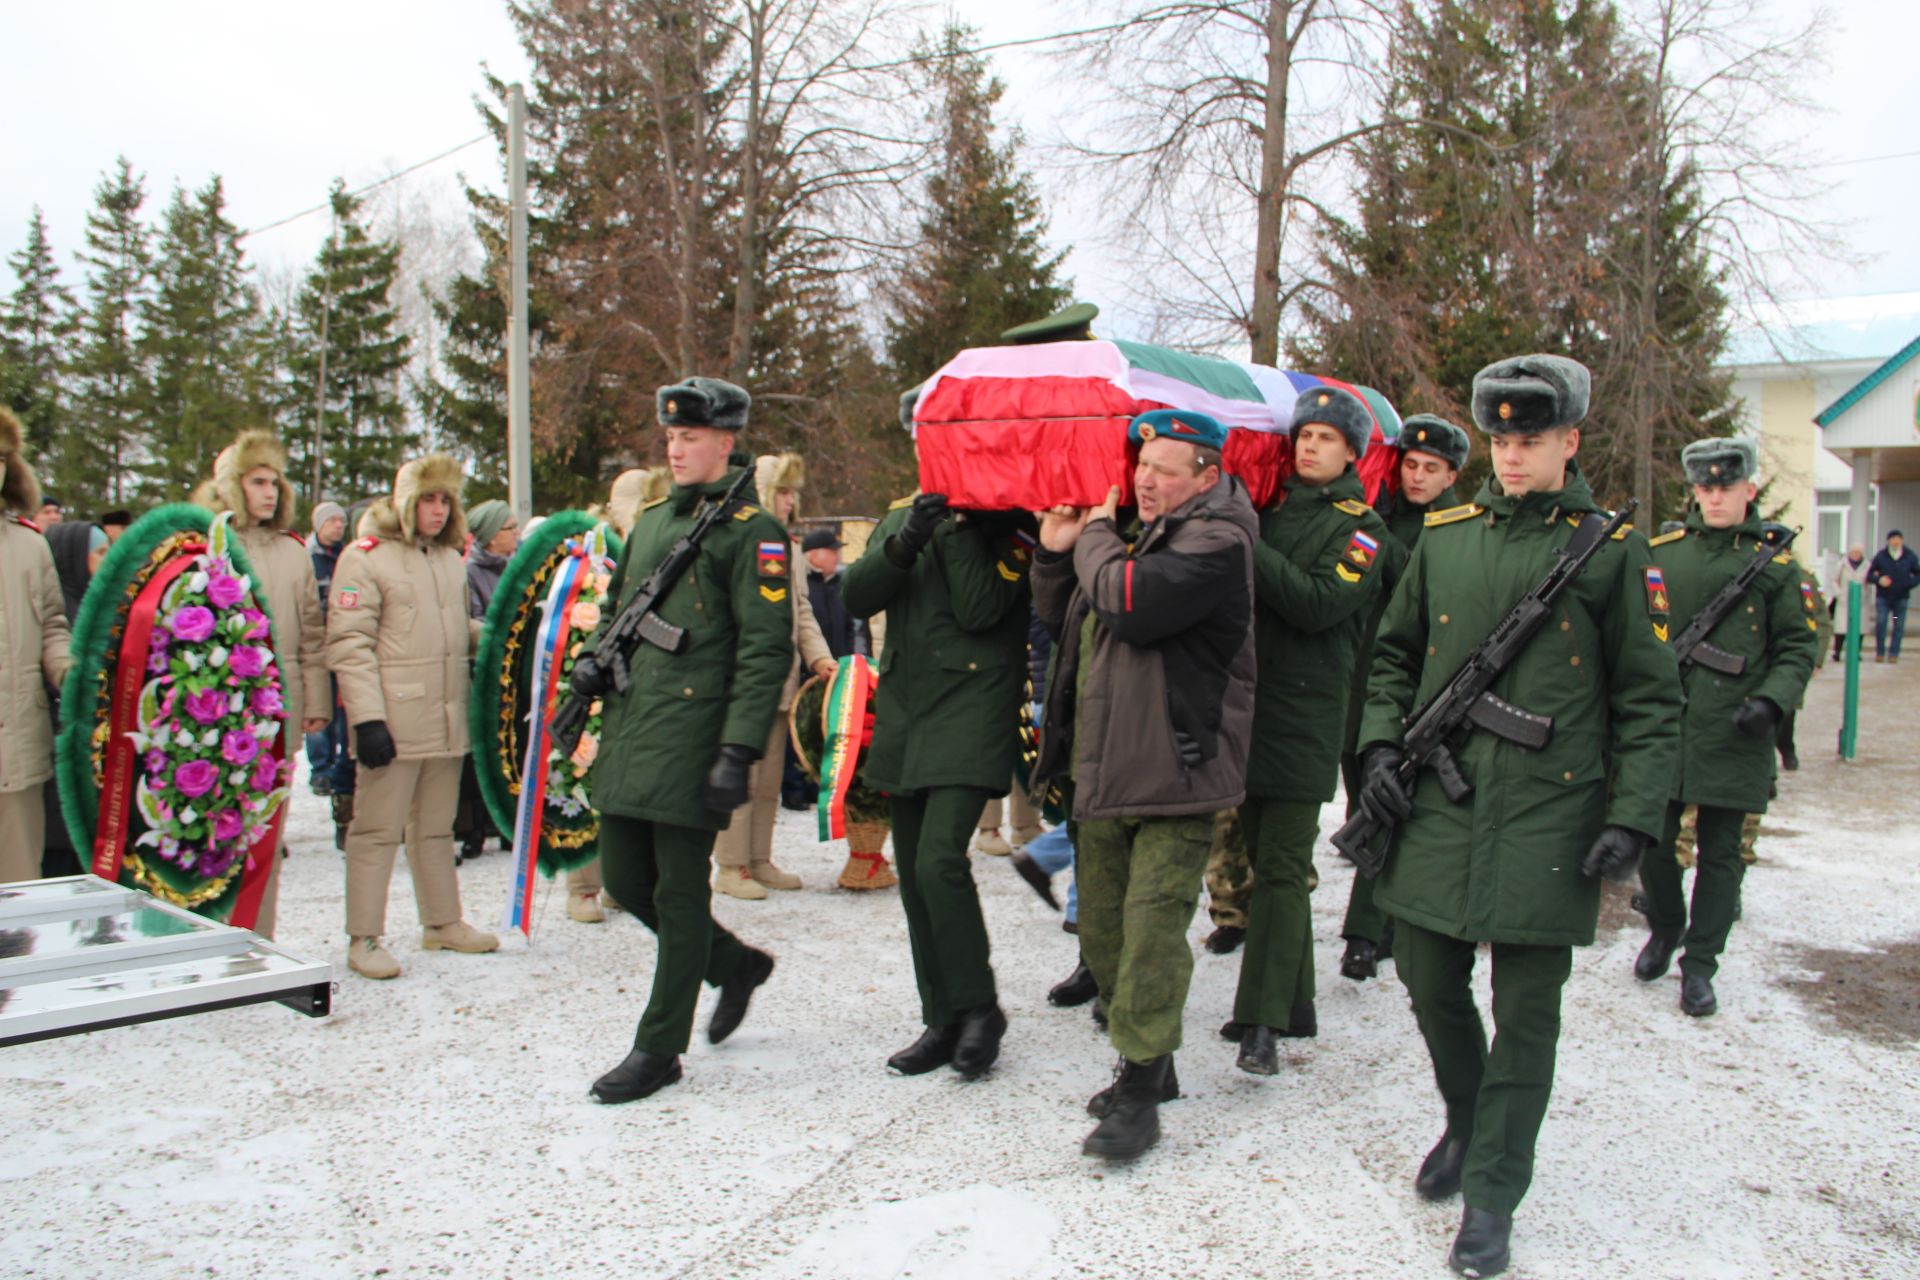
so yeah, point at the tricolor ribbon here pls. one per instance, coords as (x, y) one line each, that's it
(849, 726)
(549, 645)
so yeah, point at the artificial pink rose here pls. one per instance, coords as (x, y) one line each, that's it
(238, 747)
(227, 824)
(191, 623)
(247, 662)
(207, 706)
(266, 774)
(257, 624)
(585, 615)
(224, 592)
(266, 702)
(195, 778)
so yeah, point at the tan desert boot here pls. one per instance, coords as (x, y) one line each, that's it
(736, 883)
(458, 936)
(366, 957)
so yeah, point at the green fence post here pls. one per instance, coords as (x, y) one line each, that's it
(1850, 712)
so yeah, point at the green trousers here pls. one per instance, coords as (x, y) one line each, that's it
(948, 935)
(1718, 871)
(1139, 882)
(1497, 1095)
(660, 873)
(1276, 971)
(1364, 919)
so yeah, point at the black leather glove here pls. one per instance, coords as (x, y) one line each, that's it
(1189, 749)
(1616, 852)
(726, 787)
(589, 678)
(1757, 718)
(928, 510)
(1382, 794)
(373, 745)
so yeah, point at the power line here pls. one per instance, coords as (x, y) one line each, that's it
(371, 186)
(1835, 164)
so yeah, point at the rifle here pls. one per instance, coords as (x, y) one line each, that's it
(1466, 701)
(638, 621)
(1691, 646)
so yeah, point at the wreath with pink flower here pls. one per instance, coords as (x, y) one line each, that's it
(172, 771)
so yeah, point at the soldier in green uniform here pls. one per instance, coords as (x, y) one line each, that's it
(953, 586)
(1517, 862)
(1316, 577)
(1728, 726)
(675, 748)
(1432, 452)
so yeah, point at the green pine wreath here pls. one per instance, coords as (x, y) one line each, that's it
(498, 711)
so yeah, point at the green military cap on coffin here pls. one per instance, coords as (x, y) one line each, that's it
(1075, 324)
(1425, 433)
(1342, 410)
(1525, 395)
(703, 402)
(1720, 461)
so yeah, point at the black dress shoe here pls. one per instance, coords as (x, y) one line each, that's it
(1225, 940)
(1361, 960)
(1696, 996)
(1657, 956)
(1259, 1051)
(980, 1031)
(641, 1074)
(1075, 989)
(1439, 1175)
(1131, 1124)
(1102, 1102)
(735, 993)
(1100, 1013)
(1481, 1247)
(932, 1050)
(1030, 872)
(1789, 760)
(1233, 1031)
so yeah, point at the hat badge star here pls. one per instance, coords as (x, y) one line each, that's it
(1506, 411)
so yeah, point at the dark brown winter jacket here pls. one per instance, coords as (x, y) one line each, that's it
(1172, 661)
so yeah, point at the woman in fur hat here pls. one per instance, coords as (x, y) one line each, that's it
(250, 481)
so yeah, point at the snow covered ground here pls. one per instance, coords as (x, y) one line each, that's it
(440, 1124)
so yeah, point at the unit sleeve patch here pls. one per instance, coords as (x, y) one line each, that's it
(1657, 607)
(773, 559)
(1362, 549)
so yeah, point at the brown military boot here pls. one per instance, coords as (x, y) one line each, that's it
(458, 936)
(366, 957)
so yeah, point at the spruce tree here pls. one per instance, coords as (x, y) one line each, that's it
(94, 464)
(981, 266)
(346, 308)
(201, 337)
(36, 338)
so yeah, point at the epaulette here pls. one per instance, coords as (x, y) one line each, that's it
(1785, 557)
(648, 506)
(1453, 515)
(1352, 506)
(745, 511)
(1618, 535)
(367, 543)
(1665, 538)
(904, 502)
(25, 523)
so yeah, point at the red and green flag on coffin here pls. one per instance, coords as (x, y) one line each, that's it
(1034, 426)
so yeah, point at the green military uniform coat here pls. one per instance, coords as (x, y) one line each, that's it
(1504, 864)
(1776, 629)
(660, 738)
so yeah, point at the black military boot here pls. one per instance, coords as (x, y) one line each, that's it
(1075, 989)
(1259, 1051)
(978, 1045)
(1100, 1013)
(1102, 1102)
(1132, 1123)
(1657, 956)
(1225, 940)
(933, 1049)
(1439, 1175)
(1361, 960)
(1696, 996)
(755, 968)
(1481, 1247)
(1234, 1031)
(641, 1074)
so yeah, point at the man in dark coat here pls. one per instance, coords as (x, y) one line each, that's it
(1728, 726)
(676, 746)
(1432, 452)
(1149, 716)
(844, 633)
(1895, 572)
(1517, 862)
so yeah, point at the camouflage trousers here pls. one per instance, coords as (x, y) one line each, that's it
(1230, 873)
(1688, 841)
(1139, 881)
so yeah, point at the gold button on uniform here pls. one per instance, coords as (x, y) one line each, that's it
(973, 666)
(687, 693)
(1575, 660)
(1568, 775)
(1443, 619)
(1566, 624)
(1431, 651)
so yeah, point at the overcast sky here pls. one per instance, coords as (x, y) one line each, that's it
(281, 98)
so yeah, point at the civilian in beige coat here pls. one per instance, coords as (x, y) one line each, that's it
(743, 854)
(399, 640)
(250, 481)
(33, 651)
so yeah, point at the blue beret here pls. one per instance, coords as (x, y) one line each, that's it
(1178, 424)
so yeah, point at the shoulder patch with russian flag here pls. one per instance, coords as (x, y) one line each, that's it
(1808, 597)
(1657, 600)
(773, 559)
(1362, 547)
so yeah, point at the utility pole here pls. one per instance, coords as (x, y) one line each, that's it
(320, 383)
(519, 404)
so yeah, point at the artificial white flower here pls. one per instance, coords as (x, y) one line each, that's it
(211, 738)
(193, 660)
(188, 816)
(217, 656)
(198, 582)
(182, 738)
